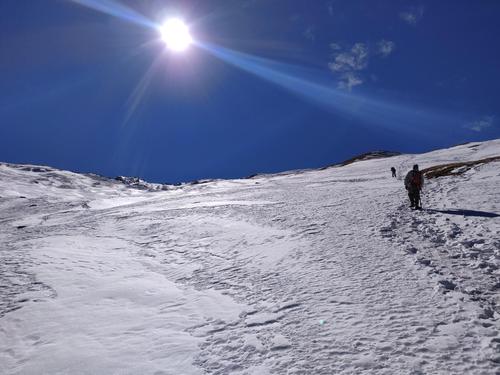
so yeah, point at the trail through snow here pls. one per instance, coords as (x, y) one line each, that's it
(312, 272)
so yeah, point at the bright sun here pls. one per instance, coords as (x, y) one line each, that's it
(175, 34)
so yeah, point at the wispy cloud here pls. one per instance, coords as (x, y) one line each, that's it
(335, 46)
(349, 80)
(483, 123)
(354, 59)
(329, 7)
(310, 33)
(385, 47)
(348, 64)
(413, 15)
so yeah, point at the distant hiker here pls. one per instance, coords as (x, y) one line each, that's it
(393, 170)
(414, 181)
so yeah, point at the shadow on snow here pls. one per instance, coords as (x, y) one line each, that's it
(454, 211)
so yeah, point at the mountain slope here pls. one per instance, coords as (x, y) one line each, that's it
(309, 272)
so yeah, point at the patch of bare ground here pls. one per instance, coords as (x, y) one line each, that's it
(455, 169)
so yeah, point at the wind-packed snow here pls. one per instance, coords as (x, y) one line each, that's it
(309, 272)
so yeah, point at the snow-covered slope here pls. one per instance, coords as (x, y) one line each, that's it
(310, 272)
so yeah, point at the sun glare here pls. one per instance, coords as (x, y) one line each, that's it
(175, 34)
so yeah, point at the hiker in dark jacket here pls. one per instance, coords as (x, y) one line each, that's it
(414, 181)
(393, 170)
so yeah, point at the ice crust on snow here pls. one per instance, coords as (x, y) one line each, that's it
(304, 272)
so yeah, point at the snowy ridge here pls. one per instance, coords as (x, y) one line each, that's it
(309, 272)
(370, 156)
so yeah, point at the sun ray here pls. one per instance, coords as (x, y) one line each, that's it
(115, 9)
(384, 111)
(136, 97)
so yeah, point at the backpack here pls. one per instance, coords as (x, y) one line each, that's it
(416, 179)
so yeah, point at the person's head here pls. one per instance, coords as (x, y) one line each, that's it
(415, 167)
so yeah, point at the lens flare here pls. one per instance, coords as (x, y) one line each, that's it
(175, 34)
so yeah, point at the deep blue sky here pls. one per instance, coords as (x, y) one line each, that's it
(86, 91)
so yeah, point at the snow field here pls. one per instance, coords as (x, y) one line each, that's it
(310, 272)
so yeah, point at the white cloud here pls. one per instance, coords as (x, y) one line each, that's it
(483, 123)
(348, 64)
(412, 15)
(385, 47)
(349, 80)
(353, 60)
